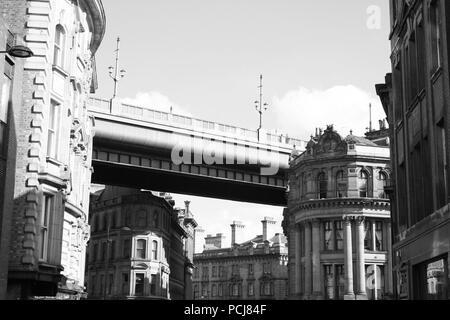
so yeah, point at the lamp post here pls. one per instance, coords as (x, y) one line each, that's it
(115, 74)
(260, 106)
(19, 52)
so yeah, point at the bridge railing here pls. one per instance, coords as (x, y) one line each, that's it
(146, 114)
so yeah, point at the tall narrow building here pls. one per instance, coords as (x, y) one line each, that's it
(416, 98)
(338, 220)
(46, 141)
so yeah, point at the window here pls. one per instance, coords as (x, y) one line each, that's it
(340, 281)
(236, 290)
(102, 284)
(196, 272)
(125, 284)
(95, 253)
(250, 269)
(384, 183)
(205, 273)
(339, 235)
(204, 291)
(46, 214)
(142, 219)
(53, 130)
(322, 182)
(329, 282)
(214, 290)
(104, 244)
(363, 184)
(220, 290)
(112, 255)
(266, 289)
(251, 289)
(126, 248)
(139, 284)
(93, 285)
(196, 292)
(110, 283)
(60, 44)
(235, 270)
(141, 246)
(379, 236)
(4, 104)
(267, 268)
(214, 271)
(435, 23)
(368, 237)
(328, 230)
(155, 250)
(341, 185)
(156, 219)
(153, 285)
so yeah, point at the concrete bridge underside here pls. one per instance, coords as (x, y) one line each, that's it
(135, 152)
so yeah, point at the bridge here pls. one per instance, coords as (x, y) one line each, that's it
(150, 149)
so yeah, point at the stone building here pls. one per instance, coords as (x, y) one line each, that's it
(47, 140)
(252, 270)
(140, 246)
(416, 98)
(338, 220)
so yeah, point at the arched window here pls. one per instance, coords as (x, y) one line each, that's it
(341, 185)
(322, 183)
(155, 250)
(384, 180)
(60, 44)
(156, 219)
(363, 183)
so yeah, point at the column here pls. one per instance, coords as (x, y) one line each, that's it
(317, 283)
(297, 249)
(361, 265)
(388, 272)
(348, 259)
(307, 259)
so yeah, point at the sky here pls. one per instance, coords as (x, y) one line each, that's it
(320, 59)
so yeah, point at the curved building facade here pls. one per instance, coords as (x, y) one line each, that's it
(140, 248)
(338, 220)
(47, 146)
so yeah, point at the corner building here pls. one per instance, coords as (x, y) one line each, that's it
(338, 220)
(46, 142)
(416, 98)
(141, 247)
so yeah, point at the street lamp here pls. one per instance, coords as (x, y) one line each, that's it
(260, 106)
(19, 52)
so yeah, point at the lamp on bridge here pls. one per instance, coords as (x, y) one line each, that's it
(116, 74)
(260, 106)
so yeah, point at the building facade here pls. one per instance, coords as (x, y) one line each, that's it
(140, 247)
(252, 270)
(46, 142)
(416, 98)
(338, 220)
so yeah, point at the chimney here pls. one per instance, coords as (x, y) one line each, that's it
(267, 223)
(214, 242)
(187, 212)
(199, 240)
(236, 232)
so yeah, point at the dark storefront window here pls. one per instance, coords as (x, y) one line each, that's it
(139, 284)
(431, 280)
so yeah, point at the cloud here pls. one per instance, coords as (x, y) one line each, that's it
(156, 101)
(300, 111)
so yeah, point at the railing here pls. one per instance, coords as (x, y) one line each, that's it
(140, 113)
